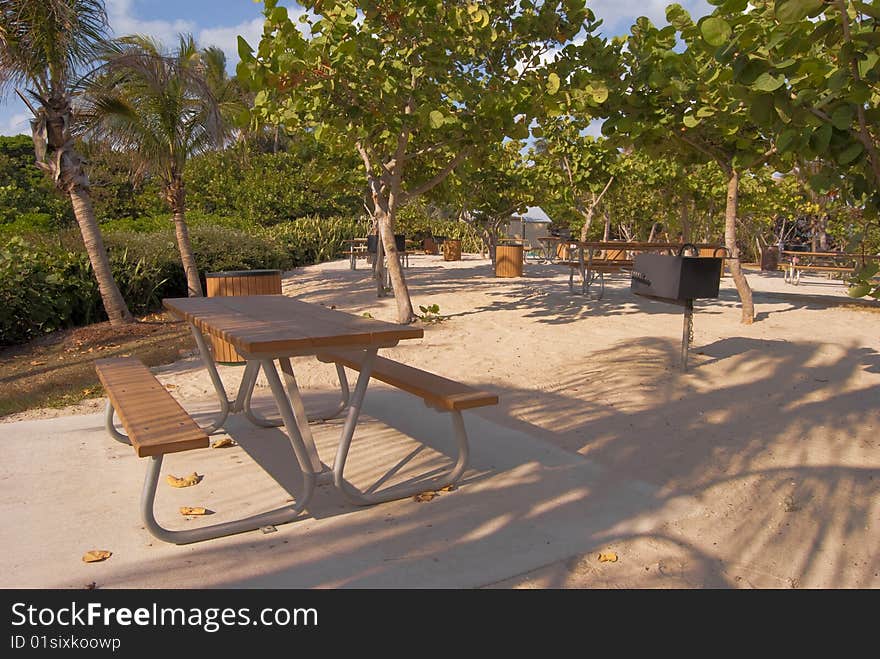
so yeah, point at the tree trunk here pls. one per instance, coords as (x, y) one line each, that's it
(685, 222)
(606, 235)
(585, 230)
(742, 284)
(114, 303)
(54, 155)
(379, 265)
(405, 313)
(177, 197)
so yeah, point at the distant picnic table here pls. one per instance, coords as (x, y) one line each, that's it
(593, 260)
(795, 263)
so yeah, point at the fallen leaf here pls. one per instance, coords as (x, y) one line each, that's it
(96, 555)
(192, 479)
(37, 363)
(608, 557)
(424, 496)
(448, 488)
(170, 386)
(91, 586)
(189, 510)
(223, 442)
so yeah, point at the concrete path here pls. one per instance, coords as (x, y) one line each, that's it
(66, 488)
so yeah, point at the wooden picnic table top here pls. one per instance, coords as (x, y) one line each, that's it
(610, 244)
(276, 325)
(830, 254)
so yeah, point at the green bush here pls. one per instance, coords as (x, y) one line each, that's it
(42, 291)
(417, 223)
(313, 240)
(46, 282)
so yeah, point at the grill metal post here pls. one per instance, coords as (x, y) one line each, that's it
(687, 332)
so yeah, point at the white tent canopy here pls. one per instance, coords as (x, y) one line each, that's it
(534, 214)
(529, 226)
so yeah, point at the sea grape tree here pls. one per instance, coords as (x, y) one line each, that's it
(415, 88)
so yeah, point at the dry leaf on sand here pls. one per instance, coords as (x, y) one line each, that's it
(190, 510)
(223, 442)
(192, 479)
(607, 557)
(96, 555)
(424, 496)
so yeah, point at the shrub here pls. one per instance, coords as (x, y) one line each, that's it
(313, 240)
(42, 291)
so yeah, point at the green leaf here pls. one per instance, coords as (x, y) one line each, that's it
(705, 111)
(786, 139)
(868, 270)
(716, 31)
(278, 15)
(691, 121)
(767, 82)
(859, 290)
(436, 118)
(553, 83)
(821, 138)
(792, 11)
(599, 92)
(842, 117)
(245, 52)
(850, 153)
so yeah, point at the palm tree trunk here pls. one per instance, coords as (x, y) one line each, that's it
(176, 195)
(187, 258)
(114, 303)
(742, 284)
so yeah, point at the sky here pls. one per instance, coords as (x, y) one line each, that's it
(219, 22)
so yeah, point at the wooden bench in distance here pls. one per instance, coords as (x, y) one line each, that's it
(441, 393)
(157, 424)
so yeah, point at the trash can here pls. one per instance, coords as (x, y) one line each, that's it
(508, 260)
(770, 259)
(236, 283)
(451, 250)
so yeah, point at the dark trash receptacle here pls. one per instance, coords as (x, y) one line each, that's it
(373, 243)
(770, 259)
(676, 278)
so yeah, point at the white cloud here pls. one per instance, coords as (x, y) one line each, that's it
(17, 124)
(226, 38)
(123, 21)
(619, 15)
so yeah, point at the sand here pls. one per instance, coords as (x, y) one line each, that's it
(768, 444)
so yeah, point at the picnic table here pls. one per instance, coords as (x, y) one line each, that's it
(795, 263)
(357, 249)
(597, 258)
(266, 329)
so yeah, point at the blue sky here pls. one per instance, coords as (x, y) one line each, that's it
(219, 22)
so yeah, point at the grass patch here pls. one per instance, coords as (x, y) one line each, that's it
(58, 370)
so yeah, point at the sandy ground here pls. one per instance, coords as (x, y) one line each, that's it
(771, 437)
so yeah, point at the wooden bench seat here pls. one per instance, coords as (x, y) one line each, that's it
(600, 265)
(822, 268)
(443, 394)
(155, 423)
(440, 392)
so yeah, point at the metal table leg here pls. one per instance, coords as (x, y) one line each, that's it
(245, 394)
(208, 361)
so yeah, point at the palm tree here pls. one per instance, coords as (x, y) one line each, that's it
(42, 45)
(158, 108)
